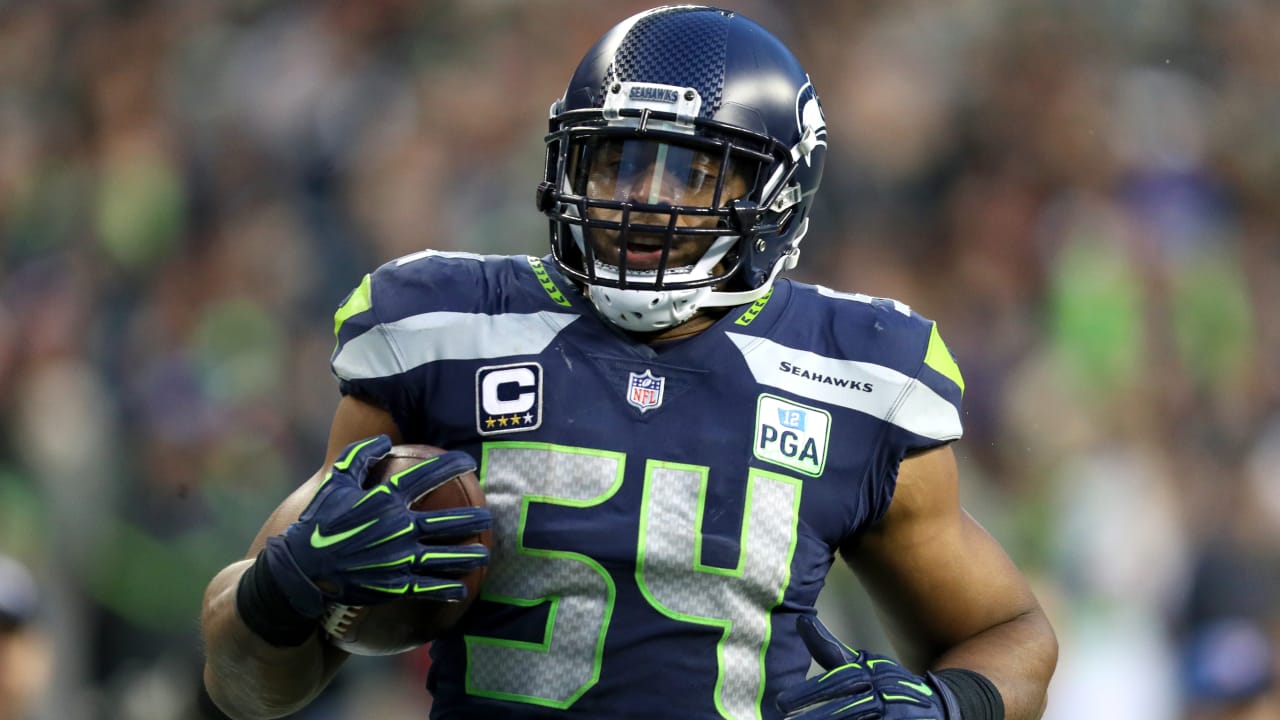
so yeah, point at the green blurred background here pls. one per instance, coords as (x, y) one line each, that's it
(1084, 194)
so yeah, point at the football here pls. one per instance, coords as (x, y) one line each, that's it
(408, 623)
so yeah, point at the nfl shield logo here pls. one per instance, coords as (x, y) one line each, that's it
(645, 391)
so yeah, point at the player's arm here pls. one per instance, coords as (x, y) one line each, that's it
(245, 675)
(332, 541)
(949, 595)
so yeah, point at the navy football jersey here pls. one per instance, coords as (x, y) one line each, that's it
(662, 514)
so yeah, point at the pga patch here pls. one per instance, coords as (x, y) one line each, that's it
(508, 398)
(792, 435)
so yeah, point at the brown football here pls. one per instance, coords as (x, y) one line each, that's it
(408, 623)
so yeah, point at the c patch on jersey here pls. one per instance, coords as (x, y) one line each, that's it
(792, 435)
(508, 398)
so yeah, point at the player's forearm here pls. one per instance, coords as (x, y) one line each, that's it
(1019, 656)
(247, 677)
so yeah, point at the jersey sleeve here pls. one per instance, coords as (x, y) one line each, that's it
(918, 385)
(366, 360)
(926, 388)
(927, 412)
(398, 323)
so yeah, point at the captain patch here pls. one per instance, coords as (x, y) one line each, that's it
(508, 398)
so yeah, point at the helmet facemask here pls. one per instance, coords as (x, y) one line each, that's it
(655, 212)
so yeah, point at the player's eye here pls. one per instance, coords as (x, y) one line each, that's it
(700, 178)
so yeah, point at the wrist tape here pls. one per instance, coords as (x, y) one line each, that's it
(976, 697)
(266, 610)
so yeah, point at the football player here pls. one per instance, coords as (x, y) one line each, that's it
(674, 442)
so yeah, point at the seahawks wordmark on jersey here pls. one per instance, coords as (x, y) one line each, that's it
(660, 516)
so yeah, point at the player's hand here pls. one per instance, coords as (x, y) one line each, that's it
(861, 686)
(363, 547)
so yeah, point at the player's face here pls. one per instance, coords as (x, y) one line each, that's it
(656, 173)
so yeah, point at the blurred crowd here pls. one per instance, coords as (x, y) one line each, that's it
(1085, 195)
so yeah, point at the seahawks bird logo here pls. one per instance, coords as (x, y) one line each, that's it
(809, 115)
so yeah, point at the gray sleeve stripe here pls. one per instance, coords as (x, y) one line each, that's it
(869, 388)
(392, 348)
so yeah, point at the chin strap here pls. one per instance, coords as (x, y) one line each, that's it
(647, 310)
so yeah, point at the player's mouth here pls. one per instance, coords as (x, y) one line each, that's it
(641, 255)
(643, 251)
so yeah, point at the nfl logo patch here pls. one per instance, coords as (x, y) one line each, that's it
(645, 391)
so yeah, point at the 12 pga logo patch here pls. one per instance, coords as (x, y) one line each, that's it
(508, 398)
(792, 435)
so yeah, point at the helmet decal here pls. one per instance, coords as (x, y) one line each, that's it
(809, 116)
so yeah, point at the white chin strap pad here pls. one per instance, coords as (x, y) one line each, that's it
(654, 310)
(647, 310)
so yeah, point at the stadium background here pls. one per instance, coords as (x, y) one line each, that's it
(1085, 195)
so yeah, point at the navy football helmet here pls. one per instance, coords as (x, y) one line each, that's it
(681, 165)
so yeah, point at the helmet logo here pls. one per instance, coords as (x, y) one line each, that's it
(810, 121)
(644, 391)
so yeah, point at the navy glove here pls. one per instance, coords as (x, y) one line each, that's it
(861, 686)
(363, 547)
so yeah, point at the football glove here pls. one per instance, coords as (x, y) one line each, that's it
(364, 547)
(861, 686)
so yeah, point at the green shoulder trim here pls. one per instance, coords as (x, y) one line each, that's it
(750, 314)
(547, 283)
(939, 358)
(356, 303)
